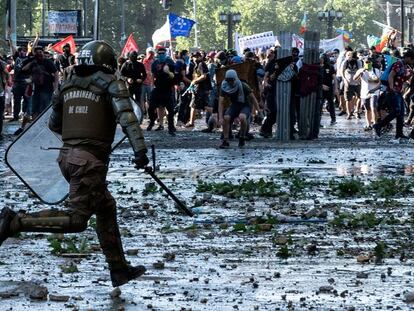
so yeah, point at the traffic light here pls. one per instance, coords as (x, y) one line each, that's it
(166, 4)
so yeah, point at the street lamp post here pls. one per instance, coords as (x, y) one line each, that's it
(230, 19)
(409, 12)
(330, 16)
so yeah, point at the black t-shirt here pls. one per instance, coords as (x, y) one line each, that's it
(327, 73)
(134, 70)
(19, 75)
(64, 61)
(201, 69)
(162, 81)
(42, 74)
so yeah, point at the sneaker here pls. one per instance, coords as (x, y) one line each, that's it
(265, 135)
(333, 122)
(358, 115)
(249, 136)
(349, 117)
(242, 142)
(368, 128)
(342, 113)
(224, 145)
(402, 136)
(122, 276)
(150, 126)
(159, 128)
(188, 125)
(18, 131)
(6, 216)
(377, 129)
(180, 124)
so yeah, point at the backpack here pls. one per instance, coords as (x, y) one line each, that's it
(386, 74)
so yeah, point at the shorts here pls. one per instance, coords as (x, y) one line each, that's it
(370, 103)
(200, 100)
(213, 100)
(234, 111)
(341, 85)
(351, 91)
(146, 93)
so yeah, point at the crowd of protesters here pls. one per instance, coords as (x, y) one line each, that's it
(183, 86)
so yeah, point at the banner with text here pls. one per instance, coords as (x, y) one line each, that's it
(332, 44)
(257, 41)
(63, 22)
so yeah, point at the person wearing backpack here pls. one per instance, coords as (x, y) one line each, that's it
(370, 82)
(400, 72)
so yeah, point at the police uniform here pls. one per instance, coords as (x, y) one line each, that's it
(86, 110)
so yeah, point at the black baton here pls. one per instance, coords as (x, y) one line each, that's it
(180, 205)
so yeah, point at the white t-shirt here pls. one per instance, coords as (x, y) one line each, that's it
(369, 81)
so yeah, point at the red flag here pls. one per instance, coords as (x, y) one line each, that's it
(58, 46)
(130, 46)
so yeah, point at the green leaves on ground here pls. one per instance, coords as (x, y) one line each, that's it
(364, 220)
(247, 188)
(68, 245)
(382, 187)
(347, 187)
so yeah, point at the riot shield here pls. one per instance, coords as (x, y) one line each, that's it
(32, 157)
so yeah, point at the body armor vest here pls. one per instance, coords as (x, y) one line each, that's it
(87, 108)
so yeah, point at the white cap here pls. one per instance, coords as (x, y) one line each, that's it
(150, 49)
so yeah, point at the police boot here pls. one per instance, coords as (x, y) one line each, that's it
(53, 221)
(6, 218)
(122, 276)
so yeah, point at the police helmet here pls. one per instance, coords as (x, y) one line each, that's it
(98, 53)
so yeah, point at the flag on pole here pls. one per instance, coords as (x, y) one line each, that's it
(304, 23)
(130, 46)
(58, 46)
(346, 34)
(175, 26)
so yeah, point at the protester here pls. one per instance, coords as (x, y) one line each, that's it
(134, 74)
(352, 88)
(162, 95)
(329, 85)
(184, 69)
(201, 88)
(64, 60)
(45, 80)
(20, 84)
(148, 83)
(370, 91)
(241, 100)
(400, 72)
(3, 82)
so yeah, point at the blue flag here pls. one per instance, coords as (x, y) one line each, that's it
(180, 26)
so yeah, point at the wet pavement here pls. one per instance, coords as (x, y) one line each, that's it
(312, 245)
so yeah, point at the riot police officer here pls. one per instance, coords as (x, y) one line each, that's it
(85, 111)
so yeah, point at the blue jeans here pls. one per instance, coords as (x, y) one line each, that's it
(40, 101)
(396, 111)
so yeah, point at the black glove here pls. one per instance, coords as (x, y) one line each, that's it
(141, 159)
